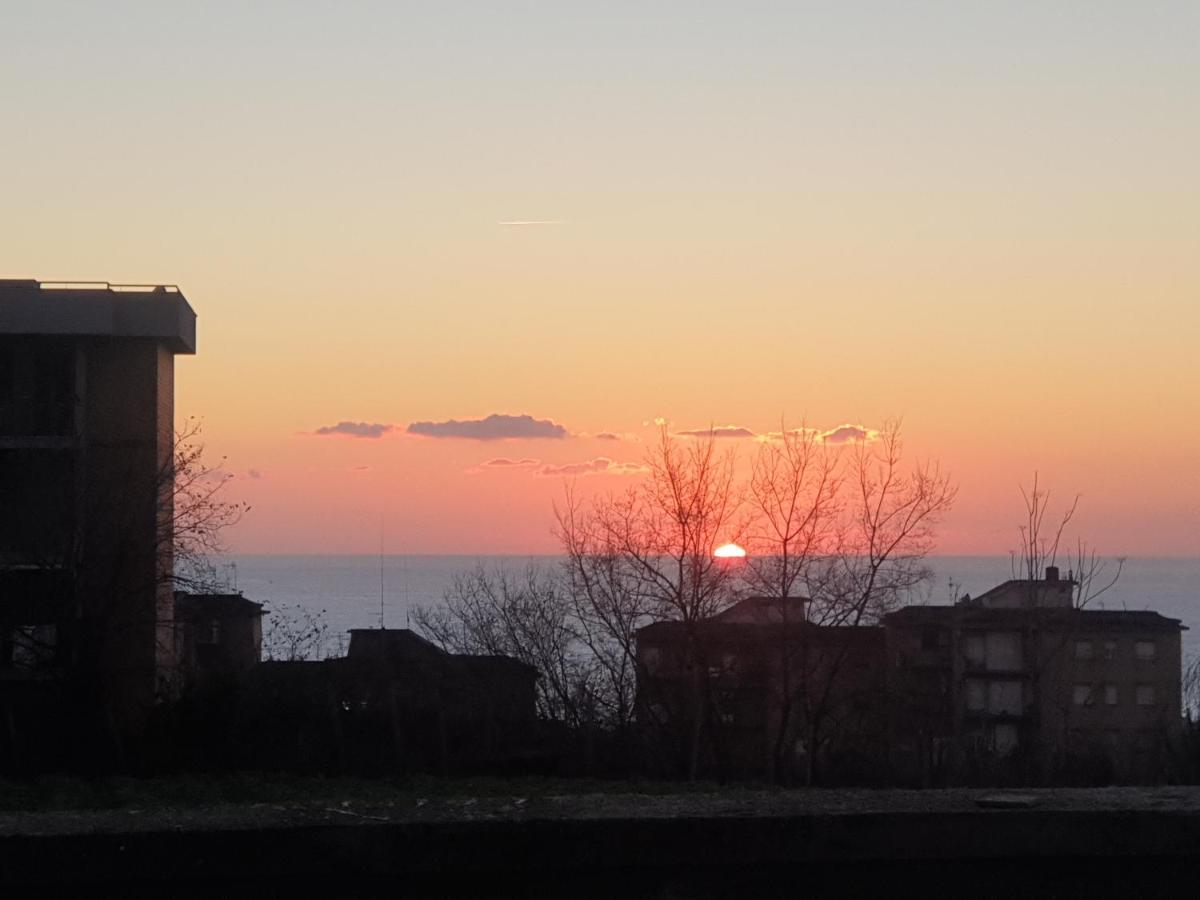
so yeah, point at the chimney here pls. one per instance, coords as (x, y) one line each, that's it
(1052, 573)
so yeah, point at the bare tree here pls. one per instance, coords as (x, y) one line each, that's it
(665, 529)
(608, 607)
(852, 527)
(1191, 690)
(892, 513)
(795, 483)
(295, 633)
(794, 499)
(193, 514)
(528, 617)
(1042, 542)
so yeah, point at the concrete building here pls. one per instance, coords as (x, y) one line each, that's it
(1017, 682)
(86, 439)
(395, 702)
(758, 691)
(217, 637)
(1021, 673)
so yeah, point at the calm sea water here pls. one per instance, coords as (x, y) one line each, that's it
(349, 588)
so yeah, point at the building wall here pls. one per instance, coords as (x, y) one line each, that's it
(761, 699)
(1102, 698)
(1052, 690)
(86, 442)
(126, 554)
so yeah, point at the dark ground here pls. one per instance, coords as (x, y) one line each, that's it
(431, 837)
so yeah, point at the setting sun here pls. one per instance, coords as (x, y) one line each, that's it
(729, 551)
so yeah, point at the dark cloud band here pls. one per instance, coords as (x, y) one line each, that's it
(494, 428)
(356, 429)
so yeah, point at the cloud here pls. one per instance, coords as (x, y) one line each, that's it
(356, 429)
(718, 431)
(360, 469)
(493, 428)
(503, 462)
(617, 436)
(254, 474)
(601, 465)
(849, 434)
(769, 436)
(607, 436)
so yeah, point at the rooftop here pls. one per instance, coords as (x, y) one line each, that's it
(97, 309)
(1077, 618)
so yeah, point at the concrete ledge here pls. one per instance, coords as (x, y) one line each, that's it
(583, 844)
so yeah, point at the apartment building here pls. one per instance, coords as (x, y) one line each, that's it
(1021, 672)
(86, 440)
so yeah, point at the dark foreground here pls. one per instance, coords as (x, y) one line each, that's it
(972, 843)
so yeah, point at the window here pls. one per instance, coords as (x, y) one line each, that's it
(32, 646)
(1145, 695)
(727, 707)
(976, 695)
(974, 649)
(1003, 651)
(932, 638)
(1110, 649)
(1145, 650)
(1004, 738)
(209, 632)
(1084, 650)
(1110, 695)
(1082, 695)
(1004, 698)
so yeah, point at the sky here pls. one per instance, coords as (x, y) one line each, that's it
(983, 218)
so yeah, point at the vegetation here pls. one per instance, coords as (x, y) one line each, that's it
(847, 525)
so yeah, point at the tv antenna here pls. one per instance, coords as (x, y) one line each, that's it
(381, 573)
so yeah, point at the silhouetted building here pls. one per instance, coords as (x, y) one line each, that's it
(86, 440)
(217, 637)
(757, 690)
(1020, 673)
(394, 702)
(466, 690)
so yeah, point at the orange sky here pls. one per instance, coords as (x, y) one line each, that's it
(986, 221)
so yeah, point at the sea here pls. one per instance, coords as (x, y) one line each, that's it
(367, 591)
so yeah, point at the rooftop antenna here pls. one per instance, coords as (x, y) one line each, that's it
(381, 573)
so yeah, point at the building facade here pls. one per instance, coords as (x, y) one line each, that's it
(1021, 674)
(218, 637)
(86, 446)
(758, 691)
(1017, 682)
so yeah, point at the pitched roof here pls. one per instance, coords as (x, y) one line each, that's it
(223, 605)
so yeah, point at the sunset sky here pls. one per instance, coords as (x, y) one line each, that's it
(982, 217)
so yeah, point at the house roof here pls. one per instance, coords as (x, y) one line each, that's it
(774, 610)
(219, 605)
(395, 642)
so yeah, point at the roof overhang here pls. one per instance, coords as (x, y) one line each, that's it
(101, 310)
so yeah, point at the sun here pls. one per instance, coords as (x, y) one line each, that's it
(729, 551)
